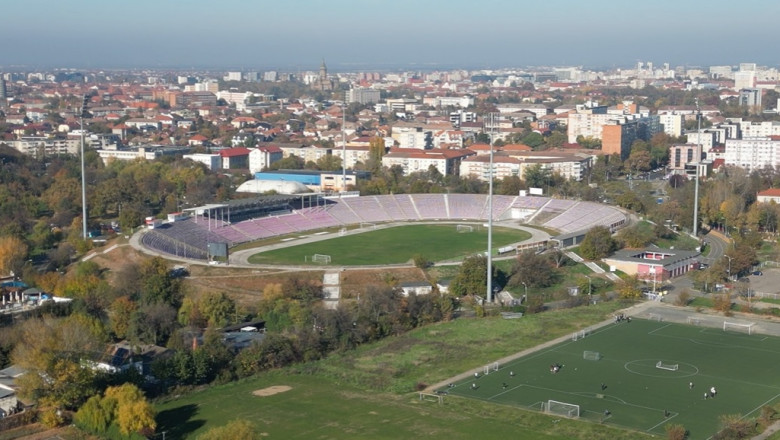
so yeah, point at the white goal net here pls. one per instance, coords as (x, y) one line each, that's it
(564, 409)
(667, 366)
(591, 355)
(366, 225)
(491, 368)
(320, 258)
(738, 327)
(465, 228)
(579, 335)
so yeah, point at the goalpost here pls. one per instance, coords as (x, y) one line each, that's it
(579, 335)
(655, 317)
(664, 366)
(694, 320)
(428, 397)
(464, 228)
(738, 327)
(564, 409)
(591, 355)
(490, 368)
(320, 258)
(367, 225)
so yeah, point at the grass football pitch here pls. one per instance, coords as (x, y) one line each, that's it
(394, 245)
(625, 387)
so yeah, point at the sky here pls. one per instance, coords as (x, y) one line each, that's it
(359, 35)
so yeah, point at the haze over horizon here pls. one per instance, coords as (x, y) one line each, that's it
(379, 34)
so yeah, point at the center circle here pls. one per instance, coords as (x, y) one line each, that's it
(647, 368)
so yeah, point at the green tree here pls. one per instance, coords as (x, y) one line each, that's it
(597, 243)
(329, 162)
(629, 288)
(158, 285)
(471, 278)
(536, 176)
(218, 309)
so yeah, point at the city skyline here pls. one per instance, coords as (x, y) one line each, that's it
(377, 34)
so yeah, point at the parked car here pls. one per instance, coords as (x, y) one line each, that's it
(758, 273)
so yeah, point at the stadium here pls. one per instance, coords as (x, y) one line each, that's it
(226, 225)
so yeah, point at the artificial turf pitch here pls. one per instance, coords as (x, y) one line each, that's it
(626, 382)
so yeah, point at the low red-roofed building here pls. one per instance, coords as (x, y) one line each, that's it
(235, 158)
(768, 196)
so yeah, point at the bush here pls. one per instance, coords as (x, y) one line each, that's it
(683, 298)
(676, 432)
(51, 418)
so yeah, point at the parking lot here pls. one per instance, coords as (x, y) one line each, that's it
(769, 282)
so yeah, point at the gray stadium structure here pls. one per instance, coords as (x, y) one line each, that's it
(241, 221)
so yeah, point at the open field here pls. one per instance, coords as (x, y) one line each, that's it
(394, 245)
(627, 383)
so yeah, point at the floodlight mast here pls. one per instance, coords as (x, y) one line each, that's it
(696, 184)
(491, 123)
(83, 174)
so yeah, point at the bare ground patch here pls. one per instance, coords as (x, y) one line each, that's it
(355, 281)
(270, 391)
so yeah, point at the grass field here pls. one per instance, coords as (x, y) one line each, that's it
(394, 245)
(637, 394)
(369, 392)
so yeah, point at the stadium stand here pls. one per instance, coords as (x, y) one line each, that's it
(191, 236)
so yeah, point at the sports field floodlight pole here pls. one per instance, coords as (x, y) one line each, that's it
(696, 185)
(344, 145)
(491, 121)
(83, 174)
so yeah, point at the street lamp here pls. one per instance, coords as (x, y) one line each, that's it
(525, 295)
(590, 288)
(729, 270)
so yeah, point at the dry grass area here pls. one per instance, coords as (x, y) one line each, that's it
(270, 391)
(245, 286)
(356, 281)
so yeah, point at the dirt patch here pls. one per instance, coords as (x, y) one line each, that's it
(355, 281)
(270, 391)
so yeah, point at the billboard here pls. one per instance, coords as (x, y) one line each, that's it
(218, 249)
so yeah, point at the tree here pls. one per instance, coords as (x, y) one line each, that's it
(218, 309)
(628, 288)
(13, 252)
(238, 429)
(536, 176)
(51, 351)
(471, 278)
(133, 412)
(158, 285)
(598, 243)
(329, 162)
(533, 270)
(734, 426)
(120, 314)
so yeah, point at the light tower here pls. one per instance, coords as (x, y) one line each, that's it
(696, 184)
(82, 114)
(490, 125)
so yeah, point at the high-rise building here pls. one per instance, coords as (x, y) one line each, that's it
(363, 96)
(3, 93)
